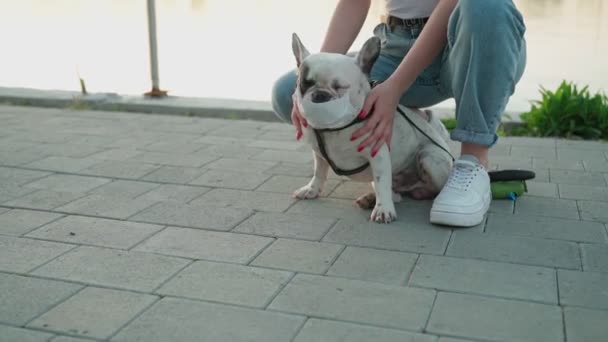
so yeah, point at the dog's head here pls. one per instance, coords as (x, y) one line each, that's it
(331, 87)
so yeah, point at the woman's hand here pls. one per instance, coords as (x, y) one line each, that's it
(382, 101)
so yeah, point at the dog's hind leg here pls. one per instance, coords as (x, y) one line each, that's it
(434, 166)
(314, 188)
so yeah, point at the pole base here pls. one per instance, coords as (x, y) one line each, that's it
(155, 92)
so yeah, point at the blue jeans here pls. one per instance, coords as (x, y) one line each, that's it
(484, 58)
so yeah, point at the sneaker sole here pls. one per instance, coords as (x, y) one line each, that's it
(448, 218)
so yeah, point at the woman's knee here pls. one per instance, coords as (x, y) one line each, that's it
(282, 91)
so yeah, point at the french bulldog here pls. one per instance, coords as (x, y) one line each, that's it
(330, 92)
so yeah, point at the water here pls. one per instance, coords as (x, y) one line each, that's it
(235, 49)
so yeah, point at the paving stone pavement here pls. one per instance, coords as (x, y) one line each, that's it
(139, 227)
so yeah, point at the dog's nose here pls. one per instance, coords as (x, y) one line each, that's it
(320, 96)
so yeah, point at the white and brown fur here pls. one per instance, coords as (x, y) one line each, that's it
(414, 164)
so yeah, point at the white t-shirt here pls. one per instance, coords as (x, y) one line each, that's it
(408, 9)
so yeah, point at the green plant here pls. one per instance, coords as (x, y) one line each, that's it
(449, 123)
(568, 112)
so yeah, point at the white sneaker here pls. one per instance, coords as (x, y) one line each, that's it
(466, 196)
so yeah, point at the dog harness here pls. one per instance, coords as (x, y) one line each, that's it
(409, 117)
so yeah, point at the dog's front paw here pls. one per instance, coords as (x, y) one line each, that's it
(307, 192)
(384, 213)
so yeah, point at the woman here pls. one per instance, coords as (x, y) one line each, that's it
(473, 51)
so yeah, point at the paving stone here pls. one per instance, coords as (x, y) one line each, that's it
(271, 144)
(299, 256)
(196, 216)
(207, 245)
(529, 141)
(231, 151)
(231, 164)
(286, 156)
(261, 201)
(69, 339)
(586, 289)
(68, 183)
(106, 206)
(173, 159)
(501, 206)
(24, 298)
(217, 140)
(81, 313)
(10, 158)
(495, 319)
(289, 169)
(509, 162)
(569, 164)
(599, 165)
(565, 153)
(581, 144)
(115, 154)
(18, 221)
(515, 249)
(231, 179)
(174, 193)
(227, 283)
(63, 164)
(450, 339)
(576, 177)
(67, 150)
(541, 189)
(356, 301)
(547, 153)
(44, 199)
(192, 319)
(395, 236)
(351, 190)
(286, 225)
(22, 335)
(540, 175)
(96, 231)
(115, 268)
(124, 188)
(173, 174)
(22, 255)
(316, 330)
(595, 257)
(583, 192)
(594, 210)
(10, 191)
(120, 169)
(485, 278)
(552, 207)
(288, 184)
(330, 207)
(19, 176)
(546, 228)
(585, 325)
(377, 265)
(174, 146)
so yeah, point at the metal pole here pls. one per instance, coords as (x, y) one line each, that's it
(155, 92)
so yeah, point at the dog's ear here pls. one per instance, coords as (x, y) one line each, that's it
(368, 54)
(299, 50)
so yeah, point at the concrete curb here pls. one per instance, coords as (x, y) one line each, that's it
(173, 105)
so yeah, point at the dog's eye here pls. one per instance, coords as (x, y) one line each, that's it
(307, 83)
(338, 86)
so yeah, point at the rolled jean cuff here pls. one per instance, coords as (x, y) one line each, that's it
(484, 139)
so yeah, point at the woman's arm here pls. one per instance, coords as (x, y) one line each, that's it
(428, 45)
(384, 98)
(346, 22)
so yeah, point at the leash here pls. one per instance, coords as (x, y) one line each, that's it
(342, 172)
